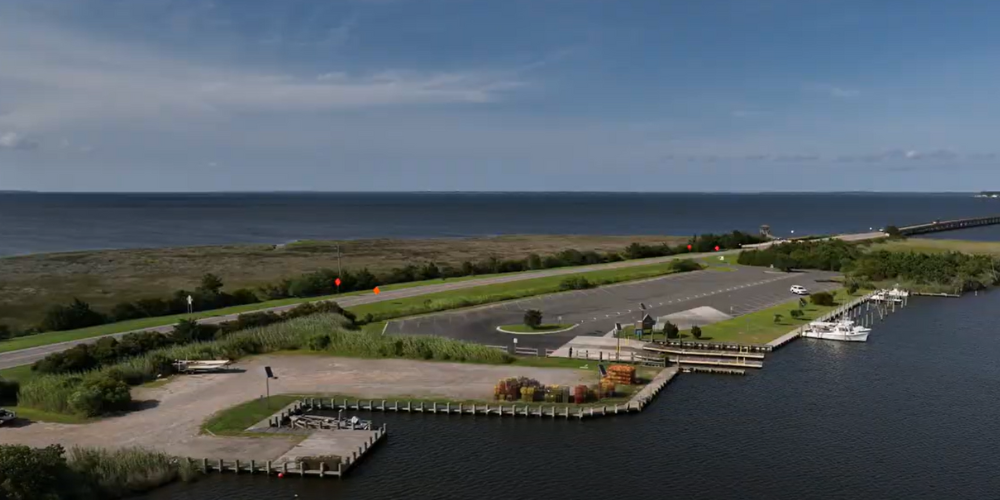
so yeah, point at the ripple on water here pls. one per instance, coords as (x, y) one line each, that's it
(910, 414)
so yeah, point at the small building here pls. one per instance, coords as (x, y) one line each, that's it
(646, 324)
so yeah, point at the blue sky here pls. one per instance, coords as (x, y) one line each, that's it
(383, 95)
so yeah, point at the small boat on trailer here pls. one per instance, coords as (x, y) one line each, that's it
(844, 331)
(201, 366)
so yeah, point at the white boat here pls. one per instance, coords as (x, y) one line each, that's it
(894, 295)
(845, 331)
(201, 366)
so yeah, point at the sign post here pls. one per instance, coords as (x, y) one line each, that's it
(618, 336)
(515, 345)
(268, 375)
(190, 301)
(337, 282)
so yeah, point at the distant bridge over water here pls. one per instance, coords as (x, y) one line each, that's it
(949, 225)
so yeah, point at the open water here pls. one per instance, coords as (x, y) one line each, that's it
(31, 223)
(910, 414)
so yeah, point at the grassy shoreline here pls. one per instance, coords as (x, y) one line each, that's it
(388, 309)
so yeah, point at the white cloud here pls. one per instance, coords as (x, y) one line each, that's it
(52, 77)
(13, 140)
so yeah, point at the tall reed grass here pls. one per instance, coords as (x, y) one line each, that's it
(122, 472)
(321, 332)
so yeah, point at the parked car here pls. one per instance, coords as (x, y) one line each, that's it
(6, 416)
(799, 290)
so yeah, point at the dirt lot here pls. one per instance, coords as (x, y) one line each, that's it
(29, 284)
(177, 409)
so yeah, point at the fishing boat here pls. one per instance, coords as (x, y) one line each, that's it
(845, 331)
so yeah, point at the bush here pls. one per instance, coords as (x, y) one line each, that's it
(671, 331)
(684, 265)
(100, 394)
(852, 288)
(796, 313)
(822, 299)
(892, 231)
(533, 318)
(777, 318)
(8, 392)
(575, 283)
(696, 331)
(6, 332)
(76, 315)
(124, 472)
(34, 473)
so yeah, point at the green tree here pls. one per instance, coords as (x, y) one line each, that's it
(76, 315)
(777, 318)
(796, 313)
(210, 283)
(33, 473)
(822, 299)
(696, 331)
(852, 288)
(534, 262)
(892, 231)
(671, 331)
(533, 318)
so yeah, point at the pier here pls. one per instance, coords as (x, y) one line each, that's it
(949, 225)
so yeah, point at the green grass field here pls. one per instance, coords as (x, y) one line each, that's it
(235, 420)
(455, 299)
(539, 330)
(939, 246)
(760, 328)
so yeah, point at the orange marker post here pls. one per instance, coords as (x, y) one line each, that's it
(376, 291)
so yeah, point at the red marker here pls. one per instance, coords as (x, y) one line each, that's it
(689, 247)
(336, 282)
(376, 291)
(281, 475)
(716, 248)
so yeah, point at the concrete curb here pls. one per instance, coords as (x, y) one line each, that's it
(501, 330)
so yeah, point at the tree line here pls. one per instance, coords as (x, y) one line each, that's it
(108, 350)
(209, 294)
(962, 271)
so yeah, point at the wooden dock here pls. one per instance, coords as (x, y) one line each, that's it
(498, 409)
(713, 370)
(707, 353)
(949, 225)
(316, 456)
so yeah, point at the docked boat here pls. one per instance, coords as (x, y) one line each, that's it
(894, 295)
(845, 331)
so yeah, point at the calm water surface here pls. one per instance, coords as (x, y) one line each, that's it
(910, 414)
(32, 223)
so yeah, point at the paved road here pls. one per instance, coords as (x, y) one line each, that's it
(30, 355)
(594, 312)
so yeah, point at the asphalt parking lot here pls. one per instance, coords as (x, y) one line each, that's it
(594, 312)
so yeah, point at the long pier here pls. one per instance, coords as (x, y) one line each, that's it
(949, 225)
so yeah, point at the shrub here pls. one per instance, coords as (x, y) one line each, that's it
(696, 331)
(892, 231)
(671, 331)
(123, 472)
(33, 473)
(852, 288)
(822, 299)
(100, 394)
(76, 315)
(796, 313)
(777, 318)
(6, 332)
(8, 392)
(684, 265)
(319, 342)
(575, 283)
(533, 318)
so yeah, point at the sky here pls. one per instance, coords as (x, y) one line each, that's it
(499, 95)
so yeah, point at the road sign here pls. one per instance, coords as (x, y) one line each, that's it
(515, 341)
(618, 327)
(642, 306)
(268, 372)
(689, 247)
(336, 282)
(716, 248)
(190, 300)
(376, 291)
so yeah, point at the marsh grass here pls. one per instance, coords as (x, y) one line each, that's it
(122, 472)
